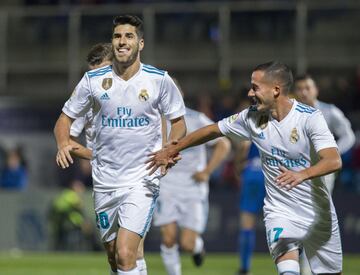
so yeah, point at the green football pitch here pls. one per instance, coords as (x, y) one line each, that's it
(95, 264)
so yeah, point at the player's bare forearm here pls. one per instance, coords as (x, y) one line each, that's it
(220, 152)
(165, 156)
(199, 136)
(80, 151)
(62, 136)
(178, 129)
(330, 161)
(62, 130)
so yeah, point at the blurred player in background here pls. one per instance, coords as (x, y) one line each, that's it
(183, 200)
(252, 196)
(307, 92)
(296, 149)
(127, 100)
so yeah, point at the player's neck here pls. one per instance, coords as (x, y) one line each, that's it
(126, 72)
(281, 108)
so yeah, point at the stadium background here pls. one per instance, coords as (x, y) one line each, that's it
(210, 47)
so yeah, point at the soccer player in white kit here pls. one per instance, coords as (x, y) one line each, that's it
(183, 200)
(127, 100)
(297, 150)
(306, 91)
(100, 55)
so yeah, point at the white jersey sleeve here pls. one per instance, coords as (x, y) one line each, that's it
(171, 101)
(342, 129)
(319, 133)
(77, 126)
(80, 101)
(236, 126)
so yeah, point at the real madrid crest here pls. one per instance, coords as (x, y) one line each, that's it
(107, 83)
(263, 122)
(294, 137)
(143, 95)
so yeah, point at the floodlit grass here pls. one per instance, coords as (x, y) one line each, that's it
(95, 264)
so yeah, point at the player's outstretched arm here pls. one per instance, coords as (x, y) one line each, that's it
(62, 136)
(330, 161)
(166, 155)
(80, 151)
(220, 152)
(177, 129)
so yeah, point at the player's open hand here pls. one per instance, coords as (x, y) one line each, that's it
(289, 179)
(63, 156)
(164, 158)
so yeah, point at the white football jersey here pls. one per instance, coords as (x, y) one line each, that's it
(292, 143)
(338, 124)
(179, 179)
(127, 121)
(84, 123)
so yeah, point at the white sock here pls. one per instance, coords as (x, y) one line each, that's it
(171, 259)
(199, 245)
(288, 267)
(141, 265)
(134, 271)
(113, 272)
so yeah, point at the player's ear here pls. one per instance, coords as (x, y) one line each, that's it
(141, 44)
(276, 90)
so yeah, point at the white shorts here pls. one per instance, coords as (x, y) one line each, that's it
(130, 208)
(321, 243)
(188, 213)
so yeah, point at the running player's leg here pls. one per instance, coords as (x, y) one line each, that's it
(284, 239)
(110, 251)
(288, 264)
(193, 219)
(166, 216)
(135, 214)
(191, 241)
(140, 259)
(169, 249)
(246, 240)
(322, 245)
(127, 244)
(106, 209)
(251, 204)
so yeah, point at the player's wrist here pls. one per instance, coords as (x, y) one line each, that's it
(62, 145)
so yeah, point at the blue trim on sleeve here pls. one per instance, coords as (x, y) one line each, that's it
(100, 72)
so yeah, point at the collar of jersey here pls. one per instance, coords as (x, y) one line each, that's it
(131, 78)
(287, 116)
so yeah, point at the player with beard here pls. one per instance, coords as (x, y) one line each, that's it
(127, 99)
(297, 149)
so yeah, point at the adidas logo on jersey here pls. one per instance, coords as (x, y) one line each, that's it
(261, 135)
(105, 96)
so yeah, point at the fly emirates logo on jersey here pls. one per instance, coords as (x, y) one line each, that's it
(284, 160)
(124, 119)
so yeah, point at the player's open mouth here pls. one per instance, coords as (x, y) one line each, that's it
(123, 50)
(255, 101)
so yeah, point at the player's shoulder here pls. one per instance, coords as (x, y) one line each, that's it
(304, 110)
(93, 74)
(152, 71)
